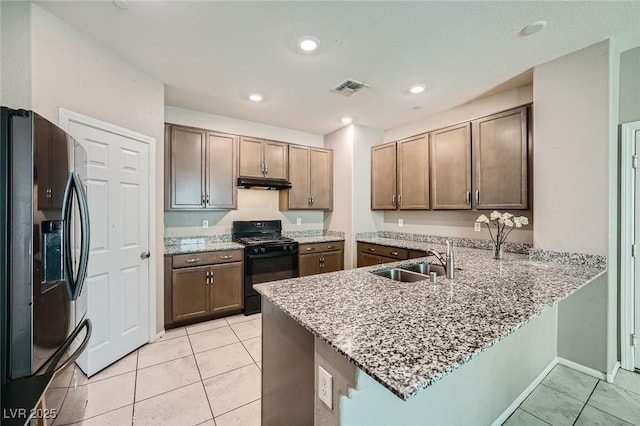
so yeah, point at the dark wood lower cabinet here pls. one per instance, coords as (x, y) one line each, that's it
(287, 369)
(202, 286)
(320, 258)
(374, 254)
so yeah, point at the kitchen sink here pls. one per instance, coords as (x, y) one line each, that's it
(425, 268)
(402, 275)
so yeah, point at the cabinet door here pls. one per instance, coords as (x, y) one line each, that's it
(299, 177)
(309, 264)
(383, 177)
(251, 159)
(275, 159)
(222, 154)
(451, 168)
(321, 185)
(186, 151)
(500, 158)
(413, 173)
(366, 259)
(189, 293)
(226, 287)
(331, 261)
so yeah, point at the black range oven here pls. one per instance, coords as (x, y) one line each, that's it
(268, 256)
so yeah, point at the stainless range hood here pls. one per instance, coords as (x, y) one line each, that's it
(262, 183)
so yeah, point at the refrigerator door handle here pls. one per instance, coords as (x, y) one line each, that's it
(59, 353)
(74, 283)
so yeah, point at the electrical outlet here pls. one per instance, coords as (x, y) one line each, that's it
(477, 227)
(298, 221)
(205, 224)
(325, 387)
(400, 223)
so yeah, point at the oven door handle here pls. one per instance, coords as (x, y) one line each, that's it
(271, 255)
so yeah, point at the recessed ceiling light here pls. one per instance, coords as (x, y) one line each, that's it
(533, 28)
(346, 120)
(416, 89)
(255, 97)
(121, 4)
(308, 43)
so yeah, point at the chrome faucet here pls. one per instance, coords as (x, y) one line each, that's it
(448, 262)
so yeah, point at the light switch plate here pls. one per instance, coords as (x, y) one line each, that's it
(298, 221)
(400, 223)
(325, 387)
(205, 224)
(477, 227)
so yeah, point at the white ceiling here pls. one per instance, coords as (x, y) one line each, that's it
(210, 55)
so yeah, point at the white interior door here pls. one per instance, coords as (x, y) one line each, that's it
(117, 285)
(636, 259)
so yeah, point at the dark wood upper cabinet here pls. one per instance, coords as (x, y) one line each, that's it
(263, 158)
(451, 168)
(201, 169)
(383, 177)
(311, 177)
(500, 161)
(51, 163)
(413, 173)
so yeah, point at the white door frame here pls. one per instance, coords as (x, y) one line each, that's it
(627, 231)
(65, 118)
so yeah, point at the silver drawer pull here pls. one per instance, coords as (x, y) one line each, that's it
(372, 249)
(311, 248)
(197, 259)
(395, 253)
(330, 247)
(226, 257)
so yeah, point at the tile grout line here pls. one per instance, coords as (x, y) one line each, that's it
(543, 421)
(237, 408)
(206, 395)
(586, 402)
(135, 385)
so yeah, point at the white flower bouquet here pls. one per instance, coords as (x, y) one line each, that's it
(504, 224)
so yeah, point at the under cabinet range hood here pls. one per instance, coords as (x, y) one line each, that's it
(262, 183)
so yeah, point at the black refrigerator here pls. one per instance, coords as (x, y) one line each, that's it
(44, 250)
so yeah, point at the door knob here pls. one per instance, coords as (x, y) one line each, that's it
(145, 255)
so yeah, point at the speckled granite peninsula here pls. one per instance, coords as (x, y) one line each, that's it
(408, 336)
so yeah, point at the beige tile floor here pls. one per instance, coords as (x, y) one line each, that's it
(204, 374)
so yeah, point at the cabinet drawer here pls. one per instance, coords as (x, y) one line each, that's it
(207, 258)
(392, 252)
(320, 247)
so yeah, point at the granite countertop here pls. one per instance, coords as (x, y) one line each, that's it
(407, 336)
(190, 247)
(318, 239)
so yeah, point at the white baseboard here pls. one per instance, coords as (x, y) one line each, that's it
(158, 335)
(516, 403)
(581, 368)
(614, 371)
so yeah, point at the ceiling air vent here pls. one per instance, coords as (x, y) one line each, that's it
(349, 87)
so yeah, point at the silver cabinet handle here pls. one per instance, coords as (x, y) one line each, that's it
(309, 200)
(477, 196)
(311, 248)
(226, 257)
(468, 197)
(393, 200)
(400, 199)
(204, 198)
(312, 200)
(322, 262)
(395, 253)
(330, 247)
(266, 169)
(372, 249)
(207, 201)
(194, 260)
(145, 255)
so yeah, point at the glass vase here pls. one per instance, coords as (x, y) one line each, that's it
(498, 252)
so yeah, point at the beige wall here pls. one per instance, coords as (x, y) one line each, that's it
(71, 71)
(340, 219)
(457, 223)
(629, 101)
(571, 155)
(253, 204)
